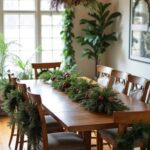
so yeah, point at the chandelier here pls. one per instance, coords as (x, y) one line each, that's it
(56, 3)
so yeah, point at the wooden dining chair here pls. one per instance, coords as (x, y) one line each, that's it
(118, 80)
(123, 120)
(55, 141)
(51, 123)
(38, 67)
(135, 87)
(146, 95)
(14, 133)
(104, 74)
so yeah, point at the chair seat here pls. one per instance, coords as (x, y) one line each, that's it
(109, 135)
(64, 141)
(52, 124)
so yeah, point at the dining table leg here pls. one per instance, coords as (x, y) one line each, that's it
(87, 139)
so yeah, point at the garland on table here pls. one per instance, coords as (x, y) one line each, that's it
(103, 100)
(138, 132)
(90, 96)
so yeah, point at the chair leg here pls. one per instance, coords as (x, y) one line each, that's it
(12, 134)
(17, 139)
(21, 142)
(99, 142)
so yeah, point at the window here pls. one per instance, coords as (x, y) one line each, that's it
(31, 24)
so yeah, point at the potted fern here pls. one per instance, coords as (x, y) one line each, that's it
(95, 35)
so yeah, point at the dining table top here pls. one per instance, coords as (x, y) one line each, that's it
(71, 114)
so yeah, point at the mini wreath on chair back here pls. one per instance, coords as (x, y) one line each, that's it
(11, 102)
(138, 132)
(28, 120)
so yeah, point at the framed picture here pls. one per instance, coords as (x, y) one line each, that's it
(139, 31)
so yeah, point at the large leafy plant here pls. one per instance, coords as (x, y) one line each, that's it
(96, 35)
(4, 54)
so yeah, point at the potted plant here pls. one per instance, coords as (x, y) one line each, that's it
(3, 57)
(96, 35)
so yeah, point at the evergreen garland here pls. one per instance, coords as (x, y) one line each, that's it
(103, 100)
(28, 120)
(138, 132)
(91, 96)
(67, 36)
(11, 102)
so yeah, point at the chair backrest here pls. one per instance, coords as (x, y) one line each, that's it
(146, 95)
(118, 80)
(123, 119)
(36, 99)
(135, 87)
(41, 66)
(104, 74)
(22, 88)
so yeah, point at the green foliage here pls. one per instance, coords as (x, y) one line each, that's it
(95, 28)
(25, 70)
(67, 36)
(138, 132)
(3, 55)
(11, 102)
(103, 100)
(91, 96)
(28, 120)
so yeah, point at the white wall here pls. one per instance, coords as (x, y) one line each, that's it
(118, 54)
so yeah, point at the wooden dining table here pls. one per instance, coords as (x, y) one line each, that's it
(72, 115)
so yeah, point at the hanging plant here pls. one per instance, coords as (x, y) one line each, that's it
(57, 3)
(67, 36)
(148, 7)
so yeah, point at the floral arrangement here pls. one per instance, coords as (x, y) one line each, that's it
(89, 95)
(56, 3)
(138, 132)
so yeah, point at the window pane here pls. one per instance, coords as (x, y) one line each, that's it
(47, 56)
(27, 19)
(11, 32)
(27, 32)
(46, 44)
(46, 32)
(57, 44)
(45, 5)
(11, 20)
(19, 4)
(11, 5)
(57, 20)
(56, 31)
(57, 55)
(46, 20)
